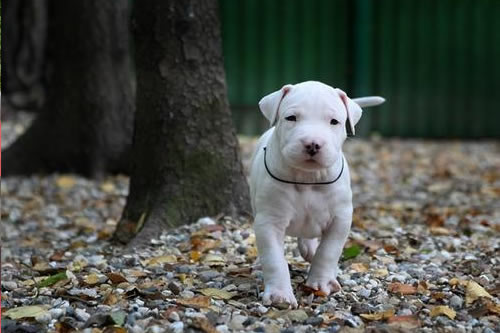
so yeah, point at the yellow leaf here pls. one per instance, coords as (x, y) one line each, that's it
(401, 288)
(91, 279)
(213, 260)
(443, 310)
(167, 259)
(217, 293)
(30, 311)
(107, 187)
(251, 252)
(381, 272)
(359, 267)
(378, 315)
(65, 182)
(195, 255)
(473, 291)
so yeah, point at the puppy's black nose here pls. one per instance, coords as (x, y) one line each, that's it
(312, 148)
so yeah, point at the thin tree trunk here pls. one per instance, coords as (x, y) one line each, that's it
(86, 123)
(186, 161)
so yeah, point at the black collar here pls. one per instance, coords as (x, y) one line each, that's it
(301, 183)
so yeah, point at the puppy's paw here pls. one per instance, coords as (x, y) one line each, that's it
(325, 285)
(274, 295)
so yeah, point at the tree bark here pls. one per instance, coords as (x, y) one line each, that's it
(86, 123)
(186, 161)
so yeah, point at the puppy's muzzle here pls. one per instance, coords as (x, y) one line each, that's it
(312, 148)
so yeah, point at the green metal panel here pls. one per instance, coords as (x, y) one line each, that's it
(436, 62)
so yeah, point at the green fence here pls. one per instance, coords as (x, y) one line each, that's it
(435, 61)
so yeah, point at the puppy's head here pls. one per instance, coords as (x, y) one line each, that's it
(312, 121)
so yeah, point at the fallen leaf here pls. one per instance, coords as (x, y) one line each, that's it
(378, 315)
(108, 187)
(116, 278)
(351, 252)
(114, 329)
(381, 272)
(494, 308)
(65, 182)
(474, 291)
(204, 244)
(401, 288)
(443, 310)
(111, 299)
(407, 321)
(160, 260)
(51, 280)
(195, 255)
(252, 252)
(213, 260)
(118, 317)
(195, 302)
(422, 287)
(30, 311)
(204, 324)
(440, 231)
(359, 267)
(217, 293)
(91, 279)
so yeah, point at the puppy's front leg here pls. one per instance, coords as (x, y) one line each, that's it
(324, 266)
(270, 237)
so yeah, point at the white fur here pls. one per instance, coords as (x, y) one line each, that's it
(319, 215)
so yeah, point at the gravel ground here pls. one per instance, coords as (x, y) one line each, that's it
(423, 254)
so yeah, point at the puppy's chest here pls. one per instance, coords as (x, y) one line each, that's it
(313, 212)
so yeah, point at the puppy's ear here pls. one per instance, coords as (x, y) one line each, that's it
(353, 112)
(270, 104)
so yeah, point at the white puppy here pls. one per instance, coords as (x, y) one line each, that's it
(300, 183)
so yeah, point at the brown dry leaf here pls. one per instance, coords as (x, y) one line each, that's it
(204, 244)
(391, 249)
(474, 291)
(217, 293)
(494, 308)
(378, 315)
(381, 272)
(251, 252)
(407, 322)
(116, 278)
(359, 267)
(422, 287)
(454, 281)
(443, 310)
(435, 220)
(114, 329)
(111, 299)
(401, 288)
(440, 231)
(65, 182)
(160, 260)
(438, 295)
(204, 324)
(195, 302)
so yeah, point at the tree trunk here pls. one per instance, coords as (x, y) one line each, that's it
(86, 123)
(186, 161)
(23, 54)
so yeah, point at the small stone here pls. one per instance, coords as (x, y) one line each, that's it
(186, 294)
(249, 321)
(363, 292)
(287, 330)
(262, 309)
(206, 276)
(177, 327)
(488, 330)
(244, 286)
(9, 285)
(456, 302)
(183, 269)
(405, 312)
(174, 316)
(43, 318)
(56, 313)
(297, 315)
(314, 321)
(175, 287)
(222, 329)
(349, 283)
(81, 314)
(206, 221)
(241, 249)
(237, 322)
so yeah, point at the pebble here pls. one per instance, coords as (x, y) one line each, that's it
(81, 314)
(174, 316)
(222, 329)
(56, 313)
(314, 321)
(176, 327)
(456, 302)
(297, 315)
(363, 292)
(9, 285)
(349, 283)
(183, 269)
(175, 287)
(206, 276)
(186, 294)
(237, 321)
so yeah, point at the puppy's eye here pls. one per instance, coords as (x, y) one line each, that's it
(334, 122)
(291, 118)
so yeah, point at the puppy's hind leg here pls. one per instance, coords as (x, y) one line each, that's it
(307, 248)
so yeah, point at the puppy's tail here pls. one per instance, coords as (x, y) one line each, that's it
(369, 101)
